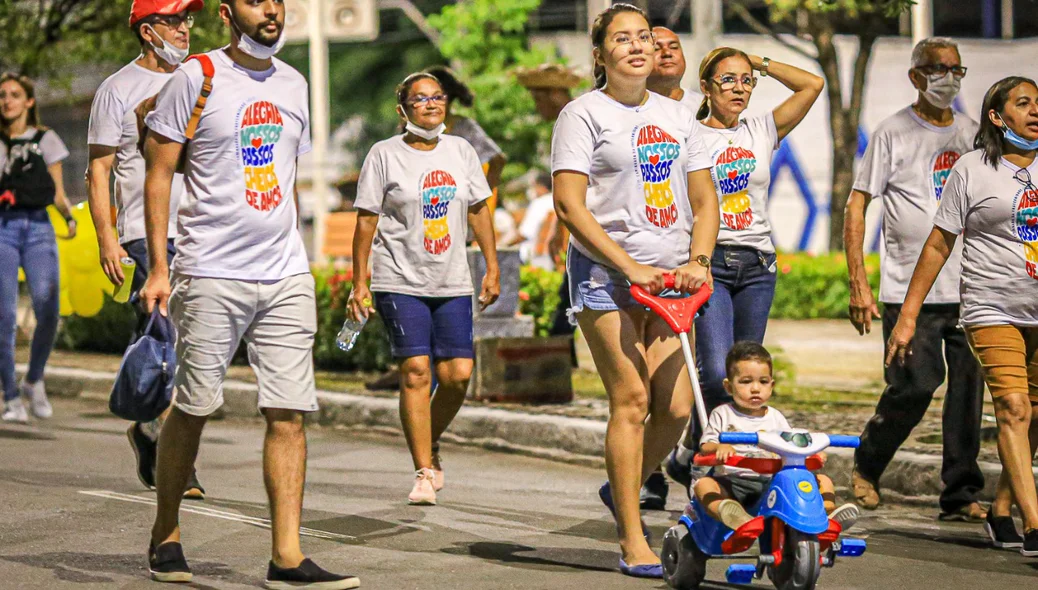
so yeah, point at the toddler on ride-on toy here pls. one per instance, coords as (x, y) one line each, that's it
(729, 492)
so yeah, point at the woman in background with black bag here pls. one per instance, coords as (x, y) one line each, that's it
(30, 180)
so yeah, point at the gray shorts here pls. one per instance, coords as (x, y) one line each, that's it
(743, 490)
(277, 320)
(599, 287)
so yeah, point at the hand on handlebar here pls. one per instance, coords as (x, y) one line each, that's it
(647, 277)
(724, 452)
(692, 276)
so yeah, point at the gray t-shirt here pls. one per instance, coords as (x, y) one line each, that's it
(113, 123)
(469, 130)
(422, 200)
(998, 215)
(742, 177)
(906, 164)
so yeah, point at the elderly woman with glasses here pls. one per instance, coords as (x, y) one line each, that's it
(743, 262)
(990, 197)
(417, 196)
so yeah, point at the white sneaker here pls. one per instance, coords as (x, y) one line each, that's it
(14, 411)
(37, 395)
(846, 515)
(423, 493)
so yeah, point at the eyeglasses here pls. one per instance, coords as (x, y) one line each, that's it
(644, 39)
(941, 70)
(729, 81)
(423, 100)
(1024, 177)
(174, 21)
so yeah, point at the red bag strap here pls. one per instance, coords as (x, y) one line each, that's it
(208, 71)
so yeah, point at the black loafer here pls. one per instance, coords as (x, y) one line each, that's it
(307, 575)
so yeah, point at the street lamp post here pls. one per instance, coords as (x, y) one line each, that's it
(319, 125)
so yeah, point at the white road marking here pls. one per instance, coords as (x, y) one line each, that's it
(221, 514)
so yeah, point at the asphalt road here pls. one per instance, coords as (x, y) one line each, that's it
(75, 516)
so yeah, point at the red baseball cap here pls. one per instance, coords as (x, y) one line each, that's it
(143, 8)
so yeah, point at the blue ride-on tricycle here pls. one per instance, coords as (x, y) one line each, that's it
(795, 534)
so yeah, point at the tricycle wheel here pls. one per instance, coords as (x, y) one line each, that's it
(684, 565)
(800, 564)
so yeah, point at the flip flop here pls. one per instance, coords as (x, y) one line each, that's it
(653, 570)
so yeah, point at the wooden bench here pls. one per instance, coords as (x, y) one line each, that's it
(338, 234)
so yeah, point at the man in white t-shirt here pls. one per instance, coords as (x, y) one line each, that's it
(536, 226)
(241, 272)
(907, 163)
(163, 28)
(670, 69)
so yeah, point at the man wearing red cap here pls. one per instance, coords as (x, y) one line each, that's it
(163, 29)
(241, 273)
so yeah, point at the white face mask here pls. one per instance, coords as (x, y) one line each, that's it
(941, 92)
(252, 48)
(169, 53)
(426, 134)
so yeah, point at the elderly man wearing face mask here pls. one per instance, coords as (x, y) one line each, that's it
(907, 163)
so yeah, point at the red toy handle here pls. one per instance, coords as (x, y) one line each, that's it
(757, 464)
(678, 313)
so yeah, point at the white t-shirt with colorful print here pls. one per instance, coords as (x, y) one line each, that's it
(907, 164)
(238, 219)
(996, 210)
(741, 171)
(422, 199)
(637, 160)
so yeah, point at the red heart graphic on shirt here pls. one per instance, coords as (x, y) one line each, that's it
(1032, 222)
(732, 174)
(434, 200)
(654, 159)
(256, 142)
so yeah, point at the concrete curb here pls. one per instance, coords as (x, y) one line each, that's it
(910, 476)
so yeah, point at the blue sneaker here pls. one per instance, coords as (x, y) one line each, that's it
(605, 493)
(654, 570)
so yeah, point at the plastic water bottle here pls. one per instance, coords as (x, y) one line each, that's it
(351, 329)
(348, 334)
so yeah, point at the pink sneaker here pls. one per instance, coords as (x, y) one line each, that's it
(437, 469)
(423, 493)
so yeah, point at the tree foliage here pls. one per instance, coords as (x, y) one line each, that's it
(52, 37)
(485, 41)
(819, 21)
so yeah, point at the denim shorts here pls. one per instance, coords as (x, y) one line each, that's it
(595, 286)
(599, 287)
(437, 327)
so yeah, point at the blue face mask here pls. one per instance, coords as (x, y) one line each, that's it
(1015, 139)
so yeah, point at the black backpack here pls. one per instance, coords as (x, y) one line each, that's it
(25, 182)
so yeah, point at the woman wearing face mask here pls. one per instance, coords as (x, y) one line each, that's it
(30, 180)
(631, 174)
(743, 262)
(991, 198)
(417, 195)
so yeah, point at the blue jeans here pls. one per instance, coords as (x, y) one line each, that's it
(744, 285)
(138, 250)
(27, 241)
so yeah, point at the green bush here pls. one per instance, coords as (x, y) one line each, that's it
(111, 329)
(808, 287)
(108, 331)
(370, 353)
(812, 286)
(539, 296)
